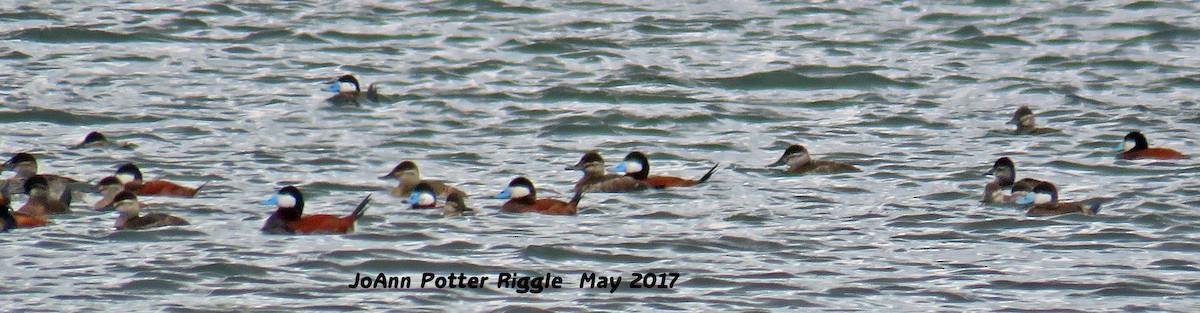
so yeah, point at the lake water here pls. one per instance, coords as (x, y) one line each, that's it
(916, 94)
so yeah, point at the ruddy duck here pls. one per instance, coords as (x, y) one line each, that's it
(25, 165)
(127, 214)
(10, 220)
(797, 159)
(636, 165)
(1135, 147)
(109, 188)
(409, 176)
(131, 177)
(97, 140)
(289, 218)
(1044, 200)
(1006, 174)
(40, 202)
(1023, 118)
(348, 92)
(595, 180)
(423, 197)
(522, 198)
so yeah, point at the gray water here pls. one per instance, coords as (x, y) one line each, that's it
(915, 94)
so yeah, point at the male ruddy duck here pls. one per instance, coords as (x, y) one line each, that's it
(97, 140)
(289, 218)
(348, 91)
(10, 220)
(109, 188)
(636, 165)
(797, 159)
(40, 202)
(131, 178)
(25, 165)
(1044, 200)
(409, 176)
(424, 197)
(522, 198)
(595, 180)
(1026, 125)
(1135, 147)
(127, 214)
(1005, 172)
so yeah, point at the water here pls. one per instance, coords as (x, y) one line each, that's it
(915, 94)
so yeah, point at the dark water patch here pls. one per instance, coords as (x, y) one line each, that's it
(222, 269)
(1048, 59)
(552, 253)
(810, 10)
(1175, 265)
(945, 17)
(938, 236)
(967, 32)
(562, 45)
(851, 292)
(68, 118)
(843, 44)
(791, 79)
(608, 96)
(27, 13)
(213, 10)
(1176, 246)
(1000, 40)
(1147, 5)
(14, 55)
(81, 35)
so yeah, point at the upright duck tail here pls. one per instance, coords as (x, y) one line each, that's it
(574, 204)
(361, 209)
(1093, 210)
(197, 190)
(708, 175)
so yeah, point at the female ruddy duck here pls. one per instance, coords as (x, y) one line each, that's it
(127, 209)
(1135, 147)
(522, 198)
(797, 159)
(131, 177)
(289, 218)
(109, 188)
(1026, 125)
(595, 180)
(423, 197)
(9, 220)
(1006, 174)
(636, 165)
(40, 201)
(409, 176)
(26, 166)
(1044, 200)
(97, 140)
(348, 91)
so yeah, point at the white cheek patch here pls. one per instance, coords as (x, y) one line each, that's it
(1128, 145)
(425, 199)
(346, 87)
(518, 192)
(127, 207)
(125, 178)
(1039, 198)
(633, 167)
(286, 201)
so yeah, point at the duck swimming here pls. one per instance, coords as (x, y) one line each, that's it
(424, 197)
(40, 202)
(349, 93)
(409, 176)
(636, 165)
(1044, 202)
(109, 188)
(10, 220)
(131, 178)
(96, 139)
(1023, 118)
(1006, 174)
(26, 166)
(595, 180)
(797, 159)
(289, 218)
(1135, 146)
(523, 199)
(127, 207)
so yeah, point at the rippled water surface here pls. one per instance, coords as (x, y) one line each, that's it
(915, 94)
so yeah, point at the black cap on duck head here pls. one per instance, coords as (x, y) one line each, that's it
(518, 188)
(1047, 188)
(18, 159)
(1134, 141)
(589, 157)
(788, 153)
(37, 181)
(108, 181)
(403, 166)
(1003, 162)
(1004, 170)
(94, 137)
(636, 158)
(124, 196)
(351, 80)
(128, 172)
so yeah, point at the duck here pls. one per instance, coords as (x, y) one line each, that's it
(1135, 146)
(1026, 125)
(596, 180)
(522, 198)
(10, 220)
(636, 165)
(289, 217)
(97, 139)
(130, 177)
(798, 161)
(25, 165)
(109, 187)
(40, 202)
(424, 197)
(349, 93)
(1005, 173)
(1043, 201)
(409, 176)
(128, 217)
